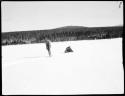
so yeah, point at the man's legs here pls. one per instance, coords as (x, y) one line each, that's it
(49, 51)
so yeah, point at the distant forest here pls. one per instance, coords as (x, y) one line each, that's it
(67, 33)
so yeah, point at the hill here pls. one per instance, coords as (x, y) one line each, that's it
(66, 33)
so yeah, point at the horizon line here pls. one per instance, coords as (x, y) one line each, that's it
(66, 26)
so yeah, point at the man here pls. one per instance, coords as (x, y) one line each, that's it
(48, 45)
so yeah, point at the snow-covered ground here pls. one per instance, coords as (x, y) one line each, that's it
(95, 67)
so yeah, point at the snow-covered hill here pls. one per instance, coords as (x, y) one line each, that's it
(95, 67)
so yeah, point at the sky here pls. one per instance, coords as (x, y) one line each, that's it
(40, 15)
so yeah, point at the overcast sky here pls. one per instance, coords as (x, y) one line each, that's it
(37, 15)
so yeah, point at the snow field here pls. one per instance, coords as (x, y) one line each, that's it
(95, 67)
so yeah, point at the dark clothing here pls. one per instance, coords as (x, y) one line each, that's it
(48, 46)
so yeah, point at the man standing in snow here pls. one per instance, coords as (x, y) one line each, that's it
(48, 45)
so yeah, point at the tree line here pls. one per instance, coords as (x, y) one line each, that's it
(61, 34)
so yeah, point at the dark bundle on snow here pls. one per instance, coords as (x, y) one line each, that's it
(68, 49)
